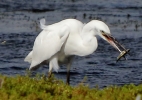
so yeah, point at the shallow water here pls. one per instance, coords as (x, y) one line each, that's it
(19, 22)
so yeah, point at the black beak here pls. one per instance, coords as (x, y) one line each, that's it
(116, 45)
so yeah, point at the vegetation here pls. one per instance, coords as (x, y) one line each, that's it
(27, 88)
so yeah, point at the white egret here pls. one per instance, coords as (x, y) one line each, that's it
(58, 43)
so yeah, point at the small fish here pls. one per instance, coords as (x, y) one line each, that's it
(122, 51)
(122, 54)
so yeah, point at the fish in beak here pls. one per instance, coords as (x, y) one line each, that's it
(116, 45)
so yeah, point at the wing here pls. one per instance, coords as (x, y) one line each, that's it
(29, 57)
(47, 44)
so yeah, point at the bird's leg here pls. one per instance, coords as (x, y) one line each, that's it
(68, 75)
(49, 74)
(50, 70)
(68, 70)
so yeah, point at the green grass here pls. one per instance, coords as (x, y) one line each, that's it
(26, 88)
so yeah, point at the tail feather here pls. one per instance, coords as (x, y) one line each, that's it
(54, 64)
(29, 57)
(42, 23)
(34, 65)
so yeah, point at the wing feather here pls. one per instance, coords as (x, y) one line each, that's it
(29, 57)
(42, 24)
(47, 44)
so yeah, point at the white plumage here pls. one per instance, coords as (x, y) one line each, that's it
(59, 42)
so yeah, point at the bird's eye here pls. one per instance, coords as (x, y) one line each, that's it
(102, 31)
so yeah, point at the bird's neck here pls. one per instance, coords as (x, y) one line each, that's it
(89, 40)
(88, 32)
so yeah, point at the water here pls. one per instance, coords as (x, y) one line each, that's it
(19, 22)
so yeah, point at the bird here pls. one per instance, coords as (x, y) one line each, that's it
(59, 43)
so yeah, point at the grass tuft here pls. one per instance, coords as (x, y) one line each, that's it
(42, 88)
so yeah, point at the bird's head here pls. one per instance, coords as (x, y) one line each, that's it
(103, 31)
